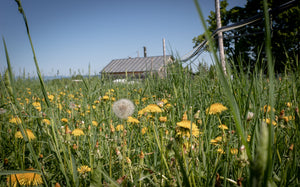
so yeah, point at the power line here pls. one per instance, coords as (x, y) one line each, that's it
(199, 48)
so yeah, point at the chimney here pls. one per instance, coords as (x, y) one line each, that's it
(145, 52)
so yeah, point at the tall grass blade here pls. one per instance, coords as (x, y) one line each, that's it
(271, 98)
(34, 56)
(12, 172)
(8, 62)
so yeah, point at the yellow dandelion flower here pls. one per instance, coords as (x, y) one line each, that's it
(168, 106)
(51, 97)
(132, 120)
(77, 132)
(128, 160)
(248, 138)
(105, 98)
(219, 139)
(234, 151)
(183, 128)
(165, 101)
(84, 169)
(186, 133)
(268, 121)
(30, 135)
(144, 130)
(112, 128)
(267, 109)
(59, 106)
(214, 142)
(37, 105)
(46, 121)
(95, 123)
(224, 127)
(285, 118)
(152, 108)
(163, 118)
(187, 124)
(25, 179)
(184, 117)
(15, 120)
(65, 120)
(220, 150)
(144, 99)
(288, 104)
(216, 108)
(119, 128)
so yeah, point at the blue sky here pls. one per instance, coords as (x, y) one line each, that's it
(71, 34)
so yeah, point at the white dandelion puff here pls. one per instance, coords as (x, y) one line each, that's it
(2, 111)
(250, 116)
(123, 108)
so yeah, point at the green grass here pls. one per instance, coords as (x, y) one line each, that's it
(167, 158)
(152, 153)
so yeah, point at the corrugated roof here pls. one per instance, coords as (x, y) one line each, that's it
(138, 64)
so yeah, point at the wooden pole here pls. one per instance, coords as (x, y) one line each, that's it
(165, 59)
(220, 36)
(145, 52)
(164, 51)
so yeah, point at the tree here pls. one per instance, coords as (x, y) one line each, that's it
(247, 43)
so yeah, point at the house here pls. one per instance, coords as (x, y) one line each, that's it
(137, 67)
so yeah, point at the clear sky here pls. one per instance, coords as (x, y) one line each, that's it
(71, 34)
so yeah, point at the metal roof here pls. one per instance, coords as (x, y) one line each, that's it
(138, 64)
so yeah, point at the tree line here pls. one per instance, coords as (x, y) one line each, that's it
(245, 46)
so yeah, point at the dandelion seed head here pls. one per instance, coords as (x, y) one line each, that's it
(72, 105)
(2, 110)
(123, 108)
(250, 116)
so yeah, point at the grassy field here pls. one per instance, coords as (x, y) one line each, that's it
(203, 129)
(177, 134)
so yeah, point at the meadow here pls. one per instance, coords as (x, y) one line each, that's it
(185, 129)
(177, 133)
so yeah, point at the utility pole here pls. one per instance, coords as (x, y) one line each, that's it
(164, 51)
(220, 36)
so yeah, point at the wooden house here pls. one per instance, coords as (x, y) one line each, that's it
(137, 67)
